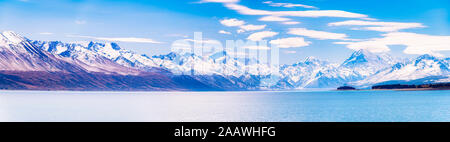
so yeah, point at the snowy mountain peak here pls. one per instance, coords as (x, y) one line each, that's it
(360, 56)
(364, 58)
(426, 57)
(170, 56)
(10, 33)
(422, 67)
(429, 61)
(115, 46)
(218, 55)
(312, 59)
(19, 54)
(398, 66)
(362, 68)
(97, 46)
(11, 37)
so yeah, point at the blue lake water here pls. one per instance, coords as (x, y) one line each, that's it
(316, 106)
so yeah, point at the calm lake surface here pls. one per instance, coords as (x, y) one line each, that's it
(317, 106)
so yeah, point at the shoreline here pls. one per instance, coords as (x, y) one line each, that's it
(405, 89)
(415, 89)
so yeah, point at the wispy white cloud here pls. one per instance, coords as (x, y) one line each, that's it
(289, 52)
(288, 5)
(273, 18)
(256, 47)
(378, 26)
(240, 31)
(291, 23)
(290, 42)
(280, 16)
(307, 13)
(224, 32)
(261, 35)
(415, 43)
(232, 22)
(251, 27)
(241, 24)
(120, 39)
(317, 34)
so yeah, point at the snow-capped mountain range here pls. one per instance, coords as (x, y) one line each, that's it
(17, 55)
(425, 66)
(362, 69)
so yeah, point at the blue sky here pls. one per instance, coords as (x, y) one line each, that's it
(328, 29)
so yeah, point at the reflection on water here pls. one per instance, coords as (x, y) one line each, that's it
(225, 106)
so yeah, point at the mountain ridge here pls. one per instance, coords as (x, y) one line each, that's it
(219, 70)
(48, 66)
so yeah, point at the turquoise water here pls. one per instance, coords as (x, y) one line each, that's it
(316, 106)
